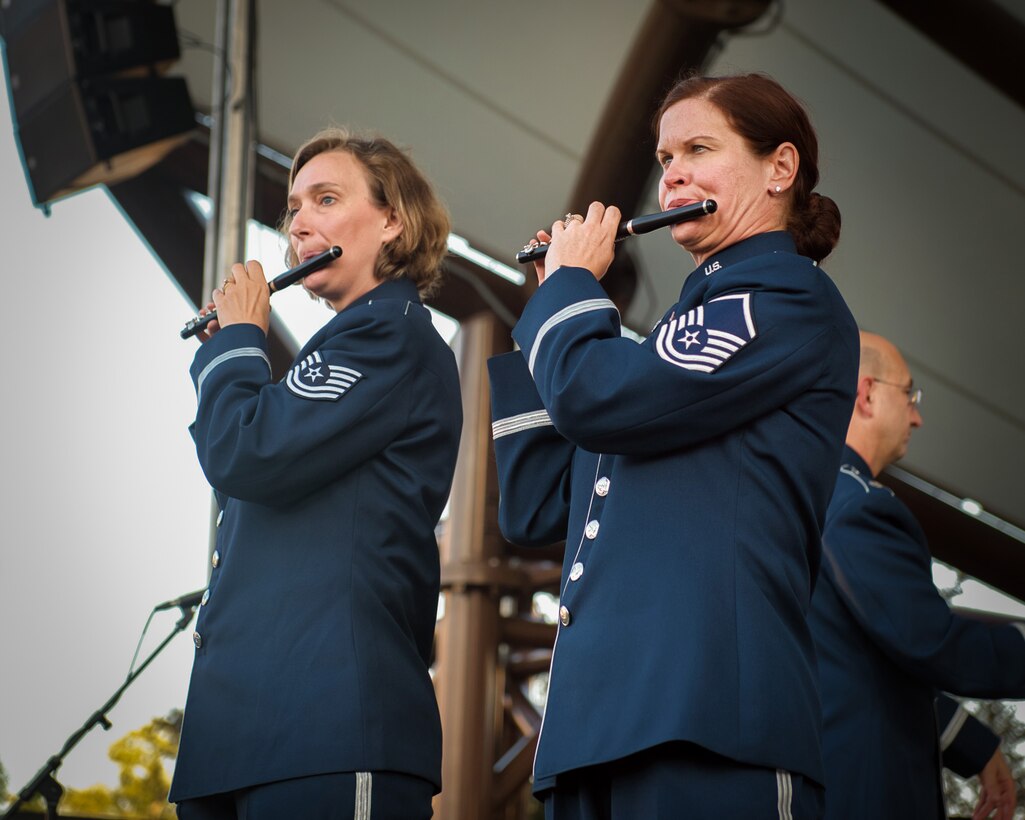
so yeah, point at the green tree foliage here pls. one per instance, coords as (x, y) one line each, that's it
(142, 781)
(962, 795)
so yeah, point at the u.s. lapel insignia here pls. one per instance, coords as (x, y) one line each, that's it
(313, 378)
(705, 337)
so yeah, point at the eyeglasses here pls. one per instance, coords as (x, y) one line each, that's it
(914, 394)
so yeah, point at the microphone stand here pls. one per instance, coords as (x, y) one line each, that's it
(44, 782)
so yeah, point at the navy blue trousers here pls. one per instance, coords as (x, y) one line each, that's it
(681, 781)
(340, 796)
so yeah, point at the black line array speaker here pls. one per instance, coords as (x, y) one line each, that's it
(90, 101)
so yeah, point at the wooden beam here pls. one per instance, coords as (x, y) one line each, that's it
(466, 671)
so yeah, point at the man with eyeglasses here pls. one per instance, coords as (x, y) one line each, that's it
(887, 642)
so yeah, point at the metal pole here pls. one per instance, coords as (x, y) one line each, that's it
(232, 152)
(231, 141)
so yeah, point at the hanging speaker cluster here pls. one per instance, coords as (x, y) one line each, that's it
(88, 92)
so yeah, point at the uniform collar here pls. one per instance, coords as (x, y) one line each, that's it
(388, 289)
(402, 289)
(758, 245)
(851, 457)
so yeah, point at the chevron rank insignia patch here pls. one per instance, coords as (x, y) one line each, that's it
(313, 378)
(705, 337)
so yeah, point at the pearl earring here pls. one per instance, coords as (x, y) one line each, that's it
(778, 189)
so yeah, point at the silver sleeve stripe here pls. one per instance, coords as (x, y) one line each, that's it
(784, 795)
(517, 424)
(566, 313)
(953, 727)
(364, 785)
(231, 354)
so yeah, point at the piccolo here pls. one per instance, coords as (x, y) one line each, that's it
(637, 225)
(289, 277)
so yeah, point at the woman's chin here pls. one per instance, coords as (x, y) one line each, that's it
(687, 240)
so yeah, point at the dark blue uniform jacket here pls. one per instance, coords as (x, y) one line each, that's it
(886, 642)
(689, 476)
(313, 646)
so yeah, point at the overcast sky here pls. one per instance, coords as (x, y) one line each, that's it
(103, 512)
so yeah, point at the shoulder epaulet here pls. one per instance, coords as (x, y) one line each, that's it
(877, 486)
(853, 472)
(869, 485)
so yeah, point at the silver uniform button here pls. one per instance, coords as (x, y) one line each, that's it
(220, 517)
(576, 571)
(602, 486)
(215, 559)
(564, 615)
(206, 597)
(197, 639)
(591, 530)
